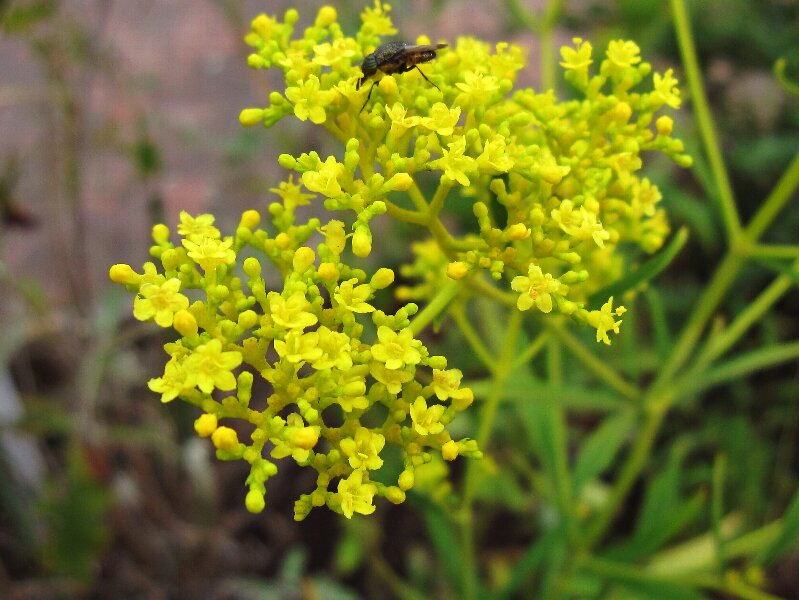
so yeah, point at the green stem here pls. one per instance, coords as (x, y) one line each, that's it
(635, 461)
(775, 251)
(775, 201)
(483, 437)
(594, 364)
(704, 119)
(473, 338)
(436, 306)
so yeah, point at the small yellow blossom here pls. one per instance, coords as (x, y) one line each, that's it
(175, 381)
(623, 54)
(159, 302)
(291, 194)
(666, 91)
(325, 178)
(400, 122)
(391, 378)
(455, 164)
(603, 320)
(210, 253)
(334, 350)
(442, 119)
(353, 297)
(364, 449)
(355, 496)
(446, 384)
(579, 58)
(197, 227)
(536, 289)
(396, 349)
(309, 101)
(291, 313)
(328, 55)
(299, 347)
(494, 158)
(212, 368)
(477, 88)
(427, 421)
(376, 20)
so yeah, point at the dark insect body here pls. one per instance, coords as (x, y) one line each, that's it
(396, 57)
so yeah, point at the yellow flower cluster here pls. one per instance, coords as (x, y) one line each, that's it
(333, 400)
(553, 185)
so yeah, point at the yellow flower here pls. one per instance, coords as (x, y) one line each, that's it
(536, 289)
(602, 320)
(353, 297)
(623, 54)
(159, 302)
(212, 368)
(442, 119)
(396, 349)
(291, 194)
(494, 159)
(334, 350)
(477, 88)
(454, 163)
(427, 421)
(355, 496)
(174, 381)
(577, 59)
(299, 347)
(197, 227)
(364, 450)
(309, 101)
(210, 253)
(328, 55)
(391, 378)
(400, 123)
(376, 20)
(446, 384)
(666, 91)
(324, 179)
(292, 313)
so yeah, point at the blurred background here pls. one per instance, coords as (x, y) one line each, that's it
(117, 114)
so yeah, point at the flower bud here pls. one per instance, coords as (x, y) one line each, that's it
(305, 437)
(250, 219)
(252, 267)
(406, 480)
(303, 259)
(664, 125)
(328, 272)
(225, 438)
(394, 495)
(205, 424)
(457, 270)
(362, 242)
(251, 116)
(326, 16)
(450, 450)
(382, 279)
(254, 502)
(518, 231)
(123, 274)
(185, 323)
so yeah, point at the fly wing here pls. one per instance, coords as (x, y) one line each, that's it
(415, 48)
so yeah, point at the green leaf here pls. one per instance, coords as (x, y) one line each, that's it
(659, 590)
(547, 549)
(663, 514)
(601, 448)
(572, 397)
(646, 272)
(788, 535)
(442, 534)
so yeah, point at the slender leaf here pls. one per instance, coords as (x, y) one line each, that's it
(442, 534)
(601, 448)
(788, 536)
(646, 272)
(536, 555)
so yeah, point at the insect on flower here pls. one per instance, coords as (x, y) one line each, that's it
(397, 57)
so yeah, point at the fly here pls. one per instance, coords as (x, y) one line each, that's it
(397, 57)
